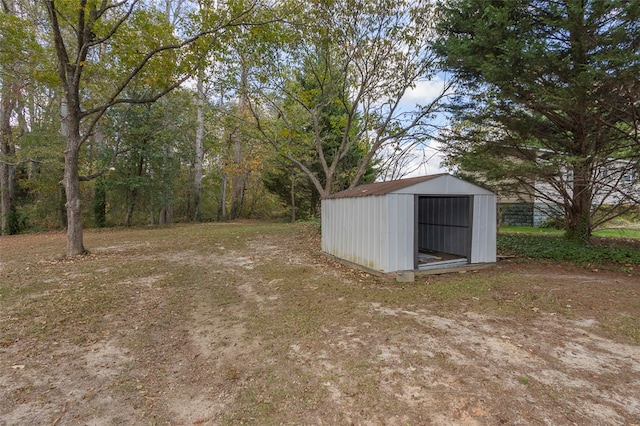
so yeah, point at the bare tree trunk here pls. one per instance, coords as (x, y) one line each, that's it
(222, 206)
(197, 185)
(129, 213)
(134, 194)
(152, 212)
(237, 181)
(238, 178)
(166, 215)
(293, 196)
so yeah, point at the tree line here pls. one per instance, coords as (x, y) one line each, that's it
(156, 111)
(128, 112)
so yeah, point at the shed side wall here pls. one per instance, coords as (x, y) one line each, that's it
(400, 228)
(484, 229)
(354, 229)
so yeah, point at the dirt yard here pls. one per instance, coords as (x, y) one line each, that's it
(251, 324)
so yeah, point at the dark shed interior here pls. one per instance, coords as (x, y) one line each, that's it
(444, 227)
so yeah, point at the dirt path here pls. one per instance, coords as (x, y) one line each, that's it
(245, 325)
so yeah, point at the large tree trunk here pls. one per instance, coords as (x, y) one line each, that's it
(578, 226)
(70, 115)
(70, 125)
(579, 214)
(71, 182)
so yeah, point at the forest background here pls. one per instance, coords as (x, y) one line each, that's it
(152, 112)
(139, 112)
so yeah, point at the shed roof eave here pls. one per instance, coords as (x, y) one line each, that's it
(402, 185)
(382, 188)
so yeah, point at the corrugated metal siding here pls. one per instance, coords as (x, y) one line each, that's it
(354, 229)
(400, 225)
(483, 236)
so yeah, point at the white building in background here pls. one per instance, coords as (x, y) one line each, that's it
(614, 185)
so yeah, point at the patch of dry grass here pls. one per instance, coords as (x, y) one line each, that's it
(249, 323)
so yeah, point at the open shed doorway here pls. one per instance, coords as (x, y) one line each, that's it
(443, 231)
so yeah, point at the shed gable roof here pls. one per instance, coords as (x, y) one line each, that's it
(382, 188)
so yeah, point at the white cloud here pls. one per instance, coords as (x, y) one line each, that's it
(426, 161)
(423, 93)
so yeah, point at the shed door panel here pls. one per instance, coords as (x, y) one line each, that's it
(444, 224)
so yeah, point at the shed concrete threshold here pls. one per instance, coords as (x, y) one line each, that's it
(443, 263)
(443, 267)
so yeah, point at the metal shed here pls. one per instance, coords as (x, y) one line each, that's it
(422, 223)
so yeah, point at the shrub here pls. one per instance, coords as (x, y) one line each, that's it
(558, 249)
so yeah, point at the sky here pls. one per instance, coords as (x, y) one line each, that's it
(423, 93)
